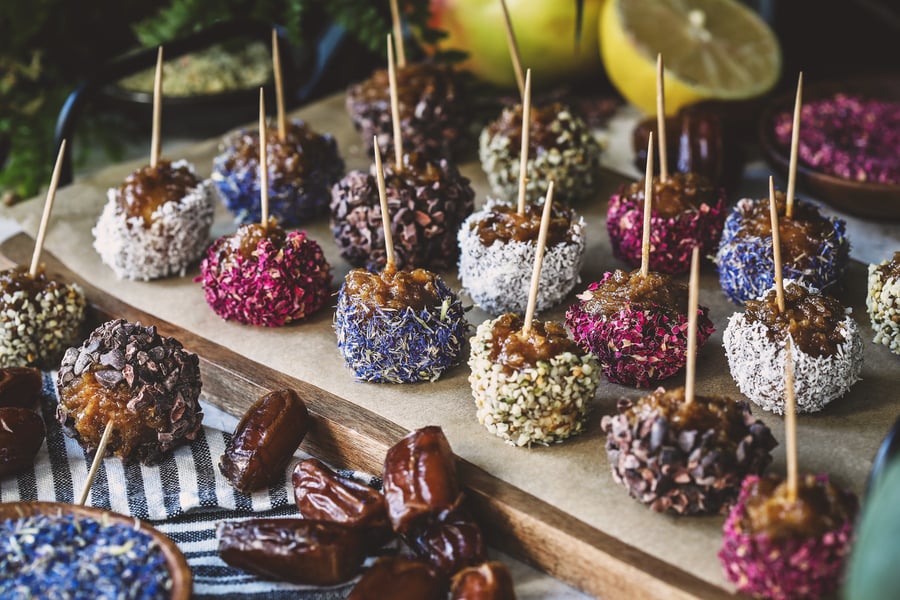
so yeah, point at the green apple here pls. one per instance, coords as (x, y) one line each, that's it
(545, 33)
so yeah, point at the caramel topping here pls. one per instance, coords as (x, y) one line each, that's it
(891, 269)
(505, 224)
(246, 239)
(542, 135)
(801, 235)
(723, 415)
(92, 405)
(820, 507)
(681, 192)
(148, 188)
(296, 157)
(17, 279)
(392, 289)
(516, 352)
(414, 81)
(811, 319)
(415, 172)
(631, 291)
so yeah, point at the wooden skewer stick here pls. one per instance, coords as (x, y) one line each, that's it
(648, 206)
(661, 120)
(523, 156)
(398, 34)
(538, 259)
(513, 49)
(48, 207)
(279, 86)
(693, 306)
(790, 423)
(263, 165)
(385, 214)
(157, 109)
(795, 142)
(776, 246)
(395, 105)
(98, 458)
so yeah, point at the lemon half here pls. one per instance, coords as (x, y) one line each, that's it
(712, 49)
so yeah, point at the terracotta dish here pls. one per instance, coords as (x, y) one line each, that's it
(879, 200)
(180, 572)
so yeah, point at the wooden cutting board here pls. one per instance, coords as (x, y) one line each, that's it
(556, 507)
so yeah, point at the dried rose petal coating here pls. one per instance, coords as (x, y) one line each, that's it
(847, 136)
(791, 569)
(276, 286)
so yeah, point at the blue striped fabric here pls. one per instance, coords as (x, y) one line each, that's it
(184, 496)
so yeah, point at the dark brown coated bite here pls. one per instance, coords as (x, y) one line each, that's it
(20, 386)
(21, 436)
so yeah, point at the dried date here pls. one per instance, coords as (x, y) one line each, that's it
(264, 441)
(296, 550)
(399, 578)
(323, 495)
(20, 386)
(420, 480)
(450, 546)
(487, 581)
(21, 436)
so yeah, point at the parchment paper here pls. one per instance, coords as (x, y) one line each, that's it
(574, 476)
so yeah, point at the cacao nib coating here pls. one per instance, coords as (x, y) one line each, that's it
(400, 578)
(427, 202)
(147, 383)
(684, 469)
(434, 115)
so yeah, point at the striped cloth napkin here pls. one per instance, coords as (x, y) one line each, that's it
(184, 496)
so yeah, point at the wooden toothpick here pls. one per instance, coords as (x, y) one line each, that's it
(385, 214)
(538, 259)
(395, 105)
(693, 306)
(398, 34)
(513, 49)
(157, 109)
(790, 422)
(523, 156)
(795, 142)
(263, 165)
(661, 120)
(98, 458)
(48, 207)
(279, 87)
(776, 246)
(648, 206)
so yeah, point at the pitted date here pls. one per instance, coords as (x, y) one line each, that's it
(264, 441)
(323, 495)
(420, 479)
(400, 578)
(20, 386)
(296, 550)
(487, 581)
(21, 436)
(450, 546)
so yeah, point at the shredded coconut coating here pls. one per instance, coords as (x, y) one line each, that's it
(401, 346)
(575, 171)
(682, 471)
(672, 239)
(36, 331)
(498, 277)
(757, 364)
(276, 286)
(424, 219)
(791, 569)
(176, 237)
(746, 262)
(289, 202)
(536, 405)
(883, 307)
(636, 347)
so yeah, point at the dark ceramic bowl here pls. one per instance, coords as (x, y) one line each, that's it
(179, 571)
(873, 200)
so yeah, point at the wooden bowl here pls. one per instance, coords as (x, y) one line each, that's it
(866, 199)
(179, 571)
